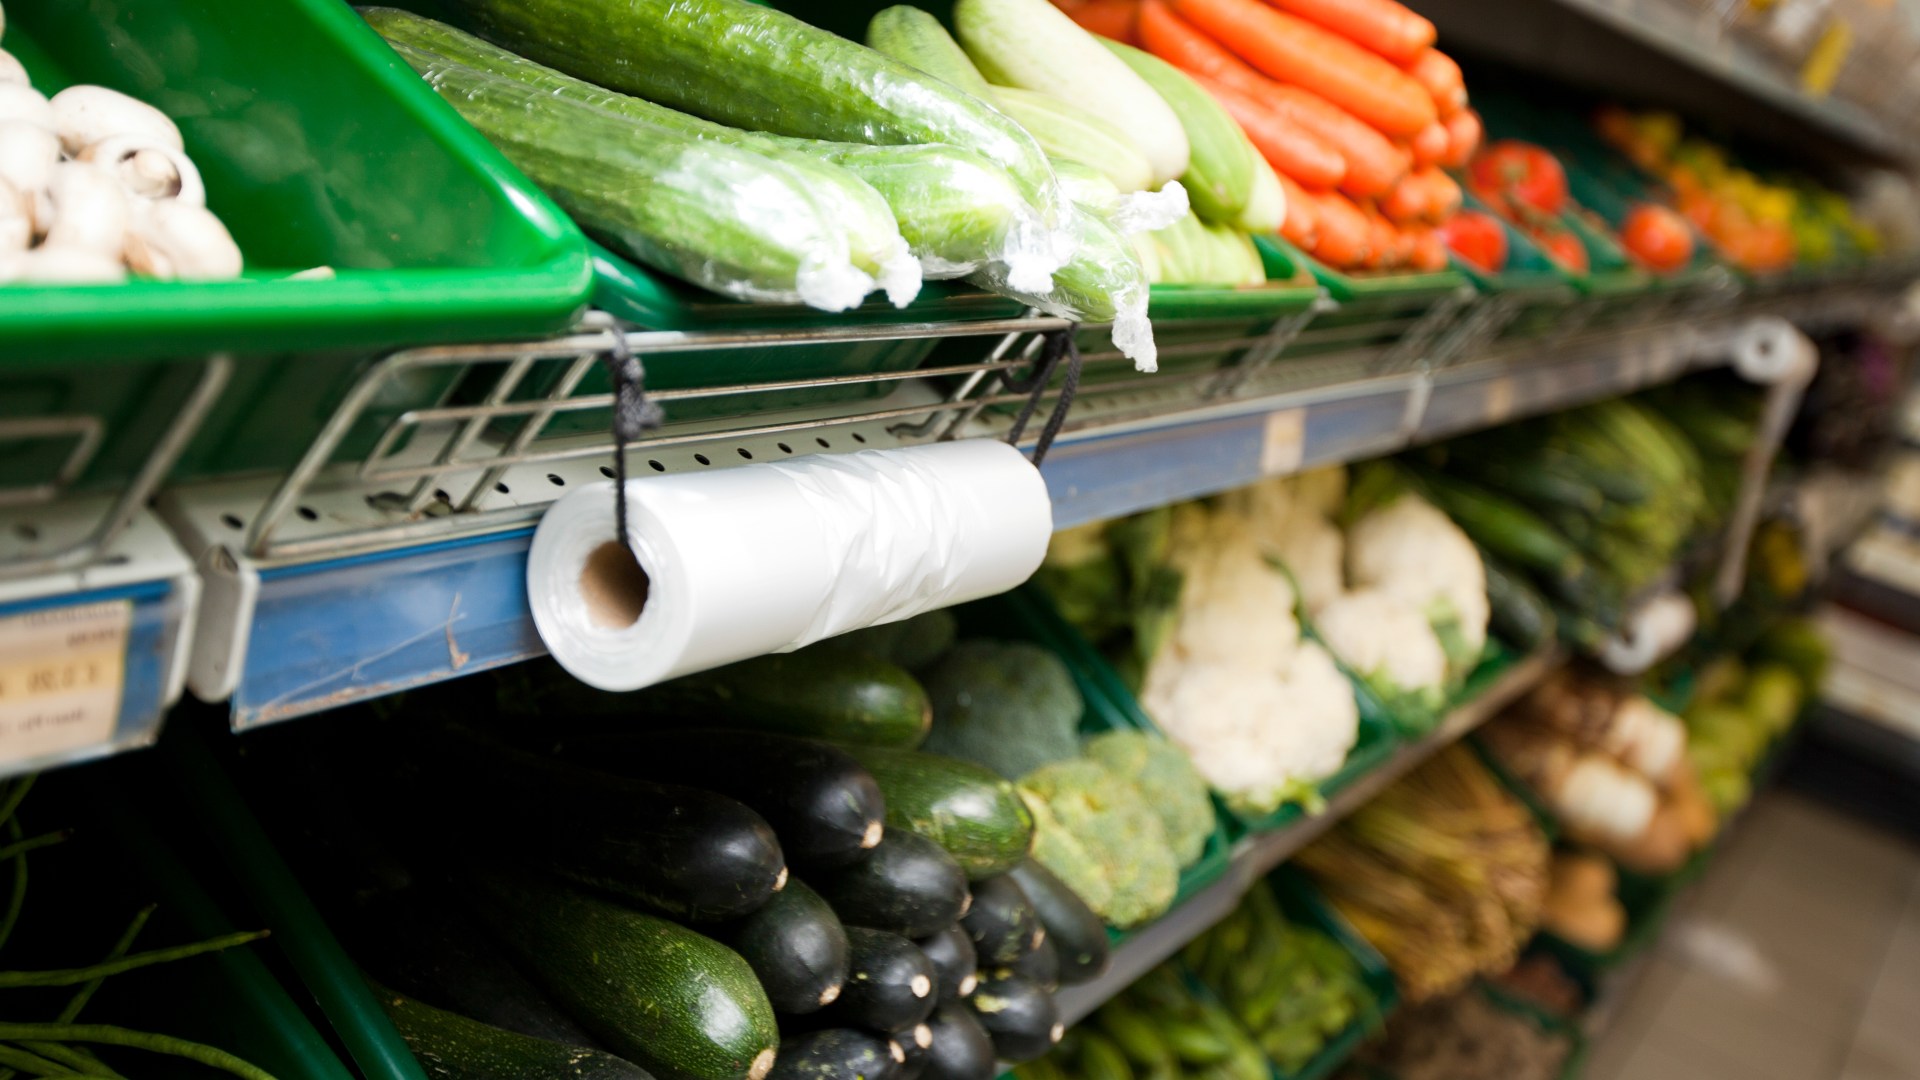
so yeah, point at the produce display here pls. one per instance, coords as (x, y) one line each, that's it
(1163, 1026)
(1582, 906)
(1292, 987)
(1444, 872)
(1540, 980)
(1469, 1036)
(94, 185)
(1611, 765)
(1738, 710)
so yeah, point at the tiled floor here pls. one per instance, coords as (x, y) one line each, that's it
(1797, 957)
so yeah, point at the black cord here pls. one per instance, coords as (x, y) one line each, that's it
(633, 416)
(1059, 343)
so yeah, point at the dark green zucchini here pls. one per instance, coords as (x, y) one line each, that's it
(824, 807)
(889, 983)
(967, 809)
(1041, 965)
(1019, 1016)
(1079, 937)
(908, 885)
(452, 1047)
(839, 696)
(955, 962)
(676, 1003)
(682, 852)
(1002, 924)
(914, 1045)
(797, 947)
(838, 1054)
(961, 1049)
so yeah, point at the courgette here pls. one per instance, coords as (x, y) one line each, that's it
(955, 962)
(962, 1049)
(1039, 965)
(1078, 935)
(838, 1054)
(916, 39)
(824, 807)
(1220, 168)
(679, 851)
(908, 885)
(1503, 527)
(1020, 1016)
(841, 697)
(961, 806)
(1065, 130)
(890, 984)
(796, 946)
(676, 1003)
(451, 1047)
(1003, 925)
(760, 69)
(915, 1045)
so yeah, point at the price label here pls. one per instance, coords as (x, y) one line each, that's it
(61, 675)
(1283, 445)
(1499, 400)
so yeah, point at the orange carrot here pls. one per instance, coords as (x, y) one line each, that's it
(1302, 224)
(1108, 18)
(1437, 72)
(1384, 26)
(1443, 194)
(1463, 138)
(1374, 164)
(1429, 250)
(1383, 240)
(1430, 145)
(1409, 201)
(1345, 236)
(1296, 51)
(1291, 149)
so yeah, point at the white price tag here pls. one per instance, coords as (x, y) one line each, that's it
(61, 674)
(1283, 446)
(1499, 405)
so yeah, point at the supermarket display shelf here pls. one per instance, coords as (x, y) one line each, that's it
(1256, 856)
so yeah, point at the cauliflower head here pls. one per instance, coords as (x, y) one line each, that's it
(1009, 705)
(1411, 550)
(1166, 776)
(1389, 642)
(1236, 608)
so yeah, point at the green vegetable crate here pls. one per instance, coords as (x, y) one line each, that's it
(1530, 286)
(1025, 615)
(1303, 905)
(1376, 311)
(319, 148)
(1099, 681)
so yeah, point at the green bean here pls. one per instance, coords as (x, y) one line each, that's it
(71, 976)
(15, 793)
(210, 1056)
(20, 1059)
(81, 996)
(21, 847)
(76, 1059)
(18, 898)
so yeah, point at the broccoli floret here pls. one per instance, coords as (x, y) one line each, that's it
(911, 643)
(1173, 788)
(1108, 816)
(1055, 848)
(1007, 705)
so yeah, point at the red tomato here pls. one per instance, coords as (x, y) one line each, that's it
(1657, 238)
(1478, 238)
(1562, 246)
(1526, 174)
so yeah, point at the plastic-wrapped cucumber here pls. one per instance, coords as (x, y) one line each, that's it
(874, 241)
(723, 217)
(915, 38)
(758, 68)
(1103, 282)
(1087, 187)
(1134, 212)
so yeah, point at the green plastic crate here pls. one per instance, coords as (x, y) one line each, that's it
(1024, 615)
(1302, 904)
(319, 147)
(1376, 311)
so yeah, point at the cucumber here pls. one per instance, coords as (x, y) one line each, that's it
(955, 962)
(723, 217)
(915, 1045)
(1003, 925)
(1220, 168)
(963, 807)
(678, 1004)
(962, 1049)
(838, 1054)
(752, 67)
(1040, 965)
(682, 852)
(1019, 1016)
(1502, 526)
(916, 39)
(451, 1047)
(908, 885)
(840, 697)
(1066, 131)
(796, 946)
(890, 984)
(824, 807)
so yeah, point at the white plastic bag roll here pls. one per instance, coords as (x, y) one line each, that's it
(740, 562)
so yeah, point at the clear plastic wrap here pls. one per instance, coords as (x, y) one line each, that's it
(875, 244)
(723, 217)
(1133, 212)
(1103, 282)
(754, 67)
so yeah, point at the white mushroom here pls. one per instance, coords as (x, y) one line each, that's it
(149, 169)
(16, 218)
(83, 115)
(28, 153)
(70, 266)
(22, 102)
(177, 240)
(89, 211)
(12, 70)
